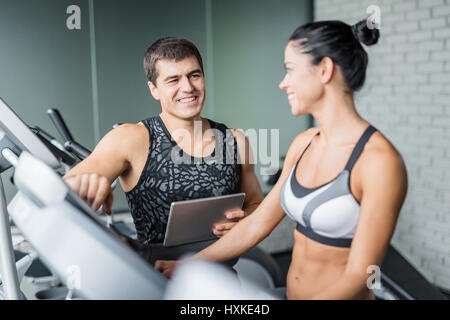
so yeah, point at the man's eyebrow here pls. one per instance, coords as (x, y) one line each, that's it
(170, 77)
(177, 76)
(195, 71)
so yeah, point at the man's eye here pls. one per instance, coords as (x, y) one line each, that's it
(196, 75)
(173, 81)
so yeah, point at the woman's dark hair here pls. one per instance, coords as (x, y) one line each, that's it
(171, 49)
(341, 43)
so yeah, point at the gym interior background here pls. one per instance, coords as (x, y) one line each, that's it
(94, 76)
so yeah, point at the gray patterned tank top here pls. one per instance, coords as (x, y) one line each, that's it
(170, 175)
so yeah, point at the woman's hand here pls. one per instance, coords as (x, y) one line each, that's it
(233, 218)
(166, 267)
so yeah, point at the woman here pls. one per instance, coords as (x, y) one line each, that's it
(343, 182)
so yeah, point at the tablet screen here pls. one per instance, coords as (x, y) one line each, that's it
(193, 220)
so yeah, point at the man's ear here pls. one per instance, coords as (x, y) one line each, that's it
(153, 90)
(326, 70)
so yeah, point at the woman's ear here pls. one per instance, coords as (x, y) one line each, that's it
(326, 70)
(153, 90)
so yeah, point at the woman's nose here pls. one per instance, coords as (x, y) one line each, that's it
(282, 84)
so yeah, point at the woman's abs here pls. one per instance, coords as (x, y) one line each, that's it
(314, 267)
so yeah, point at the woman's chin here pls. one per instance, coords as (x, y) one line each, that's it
(296, 111)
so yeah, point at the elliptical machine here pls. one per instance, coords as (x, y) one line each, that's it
(62, 229)
(254, 267)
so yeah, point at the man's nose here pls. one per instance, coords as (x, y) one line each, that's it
(186, 85)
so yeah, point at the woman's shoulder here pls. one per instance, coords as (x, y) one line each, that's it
(304, 138)
(299, 143)
(381, 157)
(379, 148)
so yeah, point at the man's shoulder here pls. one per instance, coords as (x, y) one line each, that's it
(216, 124)
(131, 128)
(130, 133)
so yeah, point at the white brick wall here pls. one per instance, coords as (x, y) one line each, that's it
(407, 97)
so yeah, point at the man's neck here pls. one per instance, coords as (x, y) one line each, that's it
(195, 128)
(191, 125)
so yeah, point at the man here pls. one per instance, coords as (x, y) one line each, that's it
(150, 157)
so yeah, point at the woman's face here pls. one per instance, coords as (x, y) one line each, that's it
(301, 82)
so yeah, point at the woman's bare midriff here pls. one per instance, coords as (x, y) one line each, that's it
(314, 267)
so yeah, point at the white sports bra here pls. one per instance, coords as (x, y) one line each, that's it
(329, 213)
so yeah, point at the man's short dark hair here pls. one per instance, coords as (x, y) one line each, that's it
(171, 49)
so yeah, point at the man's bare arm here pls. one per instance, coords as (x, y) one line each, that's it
(112, 156)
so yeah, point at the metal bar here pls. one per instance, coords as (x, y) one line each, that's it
(7, 259)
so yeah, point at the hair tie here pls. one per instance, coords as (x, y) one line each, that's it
(355, 31)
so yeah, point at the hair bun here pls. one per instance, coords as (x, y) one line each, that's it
(364, 34)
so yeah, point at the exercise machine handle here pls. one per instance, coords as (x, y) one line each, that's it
(60, 125)
(54, 145)
(76, 148)
(45, 134)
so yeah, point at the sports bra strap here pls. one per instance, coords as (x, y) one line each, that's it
(301, 156)
(359, 147)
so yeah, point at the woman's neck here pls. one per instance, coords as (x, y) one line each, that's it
(339, 122)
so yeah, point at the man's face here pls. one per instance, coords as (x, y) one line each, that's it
(180, 87)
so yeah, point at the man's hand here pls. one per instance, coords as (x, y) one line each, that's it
(233, 218)
(92, 188)
(166, 267)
